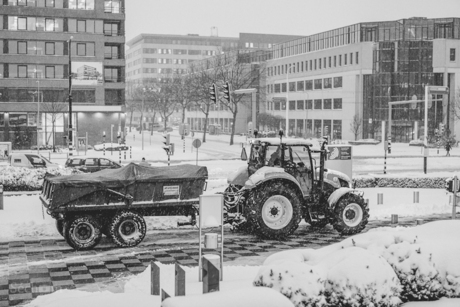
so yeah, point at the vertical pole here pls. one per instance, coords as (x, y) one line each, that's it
(254, 111)
(169, 155)
(154, 279)
(130, 152)
(197, 156)
(385, 163)
(179, 281)
(70, 99)
(119, 155)
(287, 101)
(38, 117)
(454, 196)
(183, 142)
(111, 140)
(425, 157)
(86, 143)
(1, 197)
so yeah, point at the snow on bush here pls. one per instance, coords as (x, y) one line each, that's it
(379, 268)
(28, 179)
(345, 277)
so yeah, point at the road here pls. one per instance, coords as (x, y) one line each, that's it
(32, 268)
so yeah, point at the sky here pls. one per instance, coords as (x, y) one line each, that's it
(292, 17)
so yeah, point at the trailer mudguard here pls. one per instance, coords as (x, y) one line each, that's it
(339, 193)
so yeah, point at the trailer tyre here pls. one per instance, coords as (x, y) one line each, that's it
(273, 209)
(351, 214)
(82, 232)
(127, 229)
(60, 227)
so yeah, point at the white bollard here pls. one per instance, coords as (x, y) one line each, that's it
(416, 197)
(210, 240)
(379, 198)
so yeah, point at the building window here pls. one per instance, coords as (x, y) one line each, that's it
(345, 59)
(315, 64)
(81, 49)
(22, 47)
(111, 52)
(327, 104)
(337, 82)
(277, 88)
(22, 23)
(112, 6)
(327, 82)
(318, 84)
(85, 96)
(111, 29)
(351, 58)
(319, 64)
(81, 4)
(49, 72)
(309, 104)
(452, 54)
(330, 62)
(337, 129)
(22, 71)
(337, 103)
(277, 106)
(81, 25)
(49, 49)
(340, 60)
(357, 58)
(308, 85)
(300, 104)
(318, 104)
(292, 105)
(292, 86)
(283, 87)
(111, 75)
(114, 97)
(300, 85)
(335, 61)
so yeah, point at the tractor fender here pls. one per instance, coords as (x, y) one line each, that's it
(339, 193)
(269, 173)
(239, 177)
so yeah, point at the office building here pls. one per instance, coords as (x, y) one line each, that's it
(343, 78)
(36, 37)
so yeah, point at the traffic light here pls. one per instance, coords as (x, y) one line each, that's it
(389, 144)
(441, 128)
(227, 90)
(166, 143)
(450, 182)
(213, 93)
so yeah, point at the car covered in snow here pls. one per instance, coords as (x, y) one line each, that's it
(29, 160)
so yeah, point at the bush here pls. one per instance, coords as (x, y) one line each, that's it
(28, 179)
(400, 182)
(364, 142)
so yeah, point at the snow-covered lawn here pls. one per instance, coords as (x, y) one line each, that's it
(377, 268)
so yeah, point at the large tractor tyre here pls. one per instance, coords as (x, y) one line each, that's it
(127, 229)
(82, 232)
(319, 223)
(60, 227)
(273, 210)
(351, 214)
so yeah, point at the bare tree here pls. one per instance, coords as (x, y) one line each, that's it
(183, 92)
(356, 125)
(55, 112)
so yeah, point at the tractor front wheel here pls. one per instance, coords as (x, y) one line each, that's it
(273, 209)
(351, 214)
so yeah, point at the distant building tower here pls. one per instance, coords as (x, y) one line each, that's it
(214, 32)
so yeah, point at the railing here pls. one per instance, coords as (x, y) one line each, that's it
(112, 33)
(112, 56)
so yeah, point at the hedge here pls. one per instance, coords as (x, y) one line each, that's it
(400, 182)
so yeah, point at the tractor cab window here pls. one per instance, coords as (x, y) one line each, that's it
(300, 156)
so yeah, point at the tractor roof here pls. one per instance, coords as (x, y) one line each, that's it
(284, 141)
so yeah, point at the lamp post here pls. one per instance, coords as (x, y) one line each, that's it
(111, 140)
(38, 116)
(70, 97)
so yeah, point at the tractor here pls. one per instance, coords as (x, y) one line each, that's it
(284, 181)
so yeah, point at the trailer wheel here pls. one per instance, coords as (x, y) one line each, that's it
(351, 214)
(82, 232)
(273, 209)
(127, 229)
(60, 227)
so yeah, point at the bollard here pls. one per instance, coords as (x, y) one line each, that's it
(103, 149)
(210, 274)
(416, 197)
(124, 154)
(154, 279)
(119, 155)
(164, 295)
(179, 281)
(419, 221)
(130, 152)
(394, 219)
(379, 198)
(1, 197)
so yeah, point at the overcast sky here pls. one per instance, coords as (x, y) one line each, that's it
(295, 17)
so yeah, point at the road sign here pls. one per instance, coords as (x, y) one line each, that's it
(196, 143)
(438, 90)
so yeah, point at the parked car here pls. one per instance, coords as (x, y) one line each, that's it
(91, 165)
(111, 147)
(162, 129)
(29, 161)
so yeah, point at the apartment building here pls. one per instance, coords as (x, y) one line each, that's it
(40, 42)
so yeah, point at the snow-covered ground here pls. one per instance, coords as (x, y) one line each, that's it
(367, 269)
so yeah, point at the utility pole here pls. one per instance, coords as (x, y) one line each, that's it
(70, 98)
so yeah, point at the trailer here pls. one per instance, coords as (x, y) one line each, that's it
(114, 202)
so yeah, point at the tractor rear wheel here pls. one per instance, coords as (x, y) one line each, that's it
(273, 209)
(351, 214)
(82, 232)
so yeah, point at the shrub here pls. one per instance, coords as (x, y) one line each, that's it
(400, 182)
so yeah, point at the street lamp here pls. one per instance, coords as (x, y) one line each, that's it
(70, 97)
(287, 100)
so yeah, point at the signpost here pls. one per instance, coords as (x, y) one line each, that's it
(197, 144)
